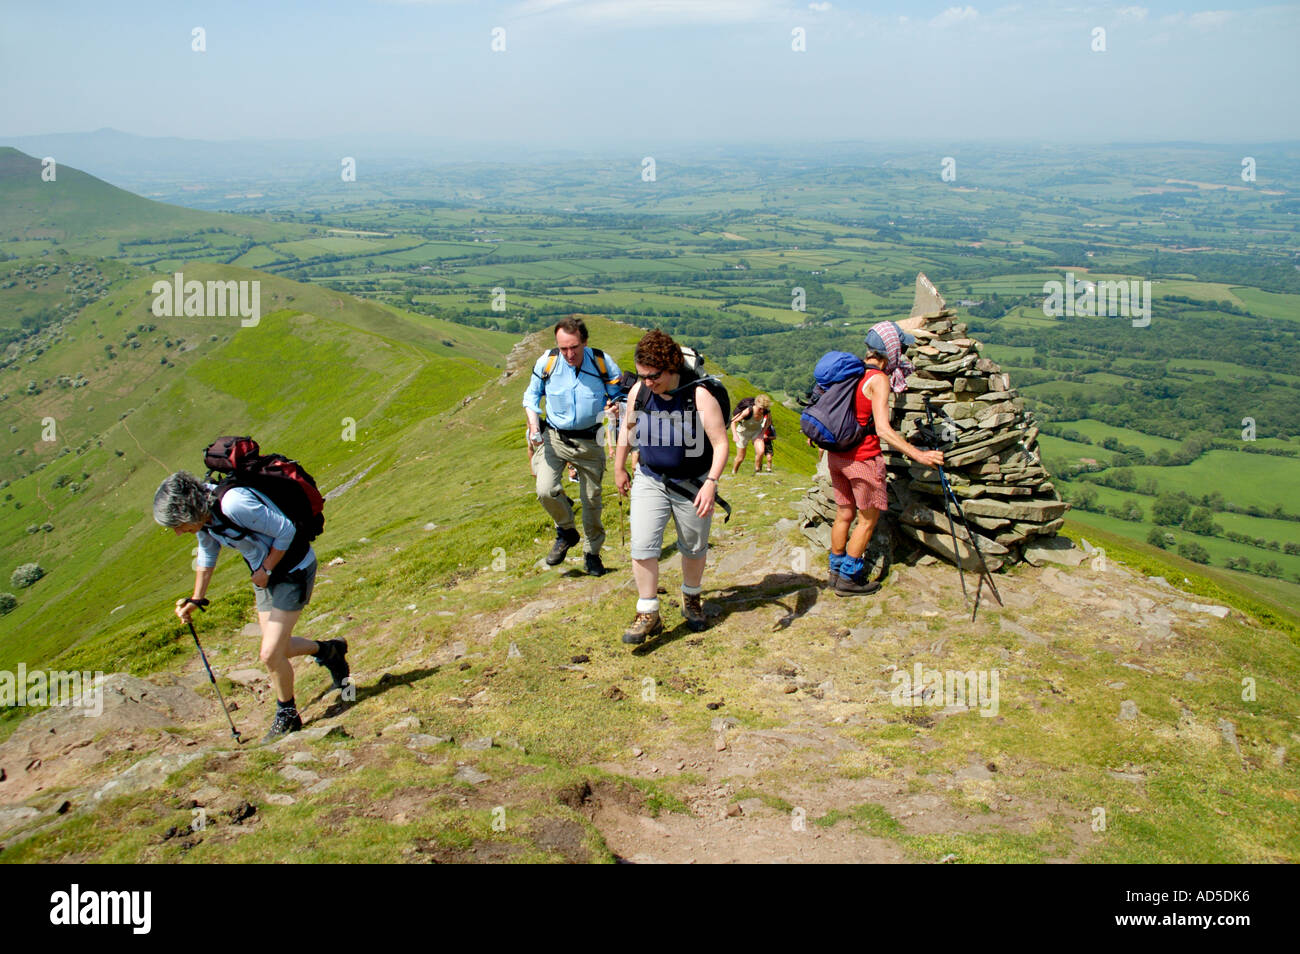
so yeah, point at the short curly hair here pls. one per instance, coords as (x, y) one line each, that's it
(657, 350)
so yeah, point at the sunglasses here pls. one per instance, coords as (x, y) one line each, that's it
(649, 378)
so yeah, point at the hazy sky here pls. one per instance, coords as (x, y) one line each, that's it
(641, 72)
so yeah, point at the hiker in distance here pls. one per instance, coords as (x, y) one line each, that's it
(858, 475)
(578, 384)
(282, 575)
(749, 425)
(769, 443)
(680, 428)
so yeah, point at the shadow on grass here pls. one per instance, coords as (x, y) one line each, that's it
(386, 682)
(775, 589)
(665, 638)
(796, 593)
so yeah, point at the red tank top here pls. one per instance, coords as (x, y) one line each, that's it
(870, 447)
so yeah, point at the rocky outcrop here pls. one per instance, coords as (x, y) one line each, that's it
(990, 445)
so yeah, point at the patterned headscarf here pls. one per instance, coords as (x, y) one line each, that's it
(888, 339)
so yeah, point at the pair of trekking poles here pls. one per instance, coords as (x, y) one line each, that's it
(949, 502)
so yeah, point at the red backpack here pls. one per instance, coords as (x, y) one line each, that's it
(284, 482)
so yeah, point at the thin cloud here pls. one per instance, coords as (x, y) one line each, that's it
(653, 12)
(1209, 19)
(953, 16)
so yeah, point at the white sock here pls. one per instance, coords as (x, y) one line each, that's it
(692, 590)
(648, 606)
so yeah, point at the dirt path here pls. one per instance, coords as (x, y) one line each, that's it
(165, 468)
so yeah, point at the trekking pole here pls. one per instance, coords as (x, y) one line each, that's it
(956, 552)
(202, 655)
(948, 495)
(973, 538)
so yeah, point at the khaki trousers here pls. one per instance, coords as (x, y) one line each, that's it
(589, 459)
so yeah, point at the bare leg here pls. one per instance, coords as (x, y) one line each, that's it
(759, 449)
(646, 574)
(857, 544)
(279, 646)
(844, 515)
(693, 569)
(740, 456)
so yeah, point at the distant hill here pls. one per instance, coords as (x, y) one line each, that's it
(79, 212)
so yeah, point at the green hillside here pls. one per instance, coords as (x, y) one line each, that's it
(133, 397)
(489, 684)
(1157, 692)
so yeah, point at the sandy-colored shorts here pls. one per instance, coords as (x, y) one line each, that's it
(747, 432)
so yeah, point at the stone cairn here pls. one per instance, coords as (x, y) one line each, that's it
(991, 460)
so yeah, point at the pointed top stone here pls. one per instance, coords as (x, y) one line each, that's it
(928, 302)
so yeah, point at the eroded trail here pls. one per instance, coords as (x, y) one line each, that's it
(490, 724)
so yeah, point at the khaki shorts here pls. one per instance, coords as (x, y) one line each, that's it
(290, 594)
(747, 432)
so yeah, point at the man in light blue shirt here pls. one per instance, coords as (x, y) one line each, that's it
(578, 384)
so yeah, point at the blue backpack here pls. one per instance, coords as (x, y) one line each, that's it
(830, 417)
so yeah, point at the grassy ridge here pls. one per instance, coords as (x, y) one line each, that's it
(405, 595)
(429, 464)
(334, 382)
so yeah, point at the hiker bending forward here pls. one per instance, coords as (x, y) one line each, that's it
(679, 430)
(578, 383)
(749, 425)
(246, 521)
(858, 476)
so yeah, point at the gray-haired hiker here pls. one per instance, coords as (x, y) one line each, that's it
(247, 521)
(578, 384)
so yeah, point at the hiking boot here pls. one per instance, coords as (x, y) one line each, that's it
(564, 539)
(693, 610)
(593, 564)
(832, 579)
(333, 656)
(849, 586)
(645, 625)
(285, 721)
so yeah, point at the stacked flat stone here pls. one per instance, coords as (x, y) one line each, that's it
(991, 456)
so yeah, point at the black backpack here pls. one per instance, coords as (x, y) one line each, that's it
(690, 380)
(744, 405)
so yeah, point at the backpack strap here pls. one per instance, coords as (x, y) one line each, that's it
(550, 364)
(241, 532)
(597, 356)
(224, 487)
(862, 384)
